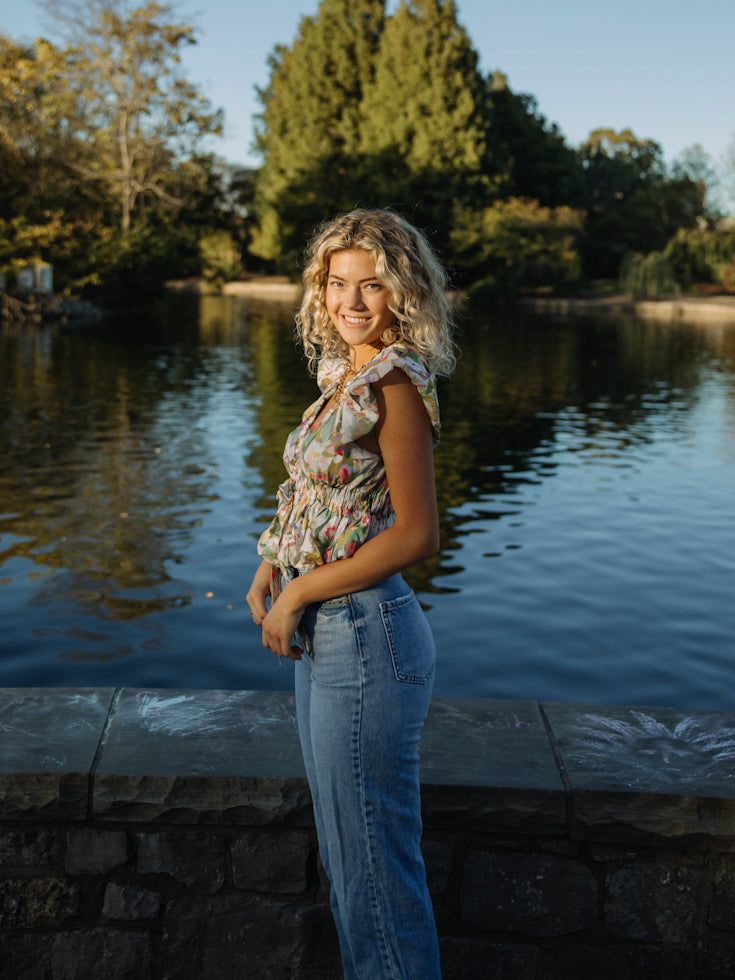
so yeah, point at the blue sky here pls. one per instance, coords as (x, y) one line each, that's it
(664, 68)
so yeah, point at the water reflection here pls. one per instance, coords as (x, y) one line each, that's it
(139, 460)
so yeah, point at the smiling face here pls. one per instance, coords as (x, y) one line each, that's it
(357, 302)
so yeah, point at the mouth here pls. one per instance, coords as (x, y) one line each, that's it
(356, 321)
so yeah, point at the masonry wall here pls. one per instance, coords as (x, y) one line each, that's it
(168, 834)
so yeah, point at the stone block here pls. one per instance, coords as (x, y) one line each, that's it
(714, 960)
(31, 846)
(231, 936)
(439, 861)
(95, 851)
(489, 764)
(534, 894)
(28, 902)
(79, 955)
(128, 902)
(654, 903)
(202, 757)
(270, 862)
(637, 772)
(50, 738)
(463, 958)
(587, 962)
(722, 908)
(193, 858)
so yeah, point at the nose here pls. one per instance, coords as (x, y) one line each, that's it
(354, 298)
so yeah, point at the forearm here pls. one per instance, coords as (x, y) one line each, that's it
(389, 552)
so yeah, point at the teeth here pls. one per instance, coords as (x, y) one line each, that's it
(356, 319)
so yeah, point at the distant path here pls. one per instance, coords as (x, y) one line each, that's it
(703, 309)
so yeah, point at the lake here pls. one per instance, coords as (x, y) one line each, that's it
(586, 480)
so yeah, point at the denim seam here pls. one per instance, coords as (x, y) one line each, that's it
(380, 930)
(385, 609)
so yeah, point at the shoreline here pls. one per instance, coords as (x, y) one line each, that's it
(695, 308)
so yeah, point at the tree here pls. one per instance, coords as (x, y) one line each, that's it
(423, 102)
(309, 126)
(517, 242)
(422, 116)
(370, 110)
(728, 176)
(525, 155)
(141, 114)
(632, 203)
(695, 165)
(41, 124)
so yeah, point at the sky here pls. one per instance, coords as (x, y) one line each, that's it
(663, 68)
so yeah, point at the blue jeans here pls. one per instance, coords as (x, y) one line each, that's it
(363, 689)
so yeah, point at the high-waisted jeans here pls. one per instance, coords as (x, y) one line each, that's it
(363, 689)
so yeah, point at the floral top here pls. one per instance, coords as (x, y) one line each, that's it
(336, 495)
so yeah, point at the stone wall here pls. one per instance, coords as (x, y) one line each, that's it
(168, 834)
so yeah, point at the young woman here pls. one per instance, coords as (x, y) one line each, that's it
(358, 507)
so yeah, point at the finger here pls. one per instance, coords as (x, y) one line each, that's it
(258, 608)
(281, 646)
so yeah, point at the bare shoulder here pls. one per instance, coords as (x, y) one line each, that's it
(399, 403)
(394, 377)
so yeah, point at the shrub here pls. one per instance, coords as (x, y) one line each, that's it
(220, 257)
(727, 276)
(647, 276)
(517, 242)
(697, 255)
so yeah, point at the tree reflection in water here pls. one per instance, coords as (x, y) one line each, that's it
(139, 460)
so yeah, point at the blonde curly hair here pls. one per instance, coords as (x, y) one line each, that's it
(404, 263)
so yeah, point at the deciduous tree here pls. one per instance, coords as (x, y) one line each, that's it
(141, 114)
(632, 203)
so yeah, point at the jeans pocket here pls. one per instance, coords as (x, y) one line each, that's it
(409, 639)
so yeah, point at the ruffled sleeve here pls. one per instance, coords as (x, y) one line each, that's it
(360, 408)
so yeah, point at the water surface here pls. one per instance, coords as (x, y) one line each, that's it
(585, 479)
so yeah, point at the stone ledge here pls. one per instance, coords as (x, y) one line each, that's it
(600, 773)
(640, 771)
(50, 738)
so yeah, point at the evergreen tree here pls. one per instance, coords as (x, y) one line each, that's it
(369, 110)
(422, 123)
(525, 155)
(424, 101)
(308, 132)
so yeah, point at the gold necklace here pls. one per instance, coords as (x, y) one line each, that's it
(339, 391)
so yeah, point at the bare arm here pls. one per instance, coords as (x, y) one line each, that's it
(405, 439)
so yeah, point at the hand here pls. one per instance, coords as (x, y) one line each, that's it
(279, 626)
(259, 591)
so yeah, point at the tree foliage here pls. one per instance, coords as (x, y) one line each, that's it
(309, 129)
(367, 109)
(102, 168)
(647, 276)
(526, 155)
(698, 255)
(100, 148)
(632, 204)
(517, 242)
(140, 113)
(396, 113)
